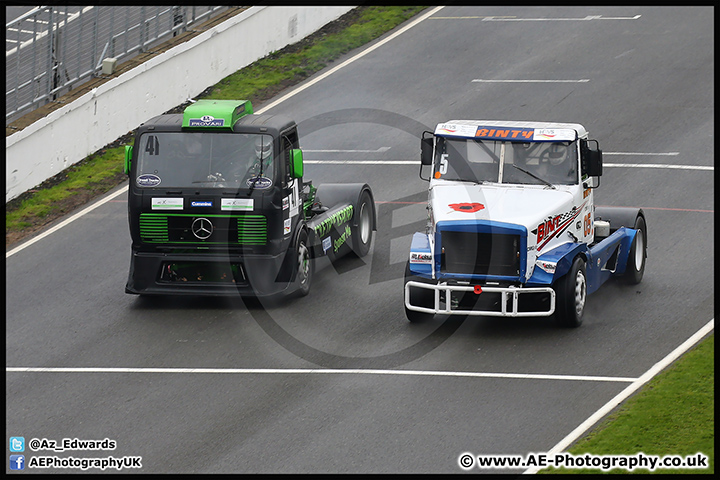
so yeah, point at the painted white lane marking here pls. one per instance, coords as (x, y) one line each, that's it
(483, 80)
(378, 150)
(312, 371)
(658, 165)
(417, 162)
(351, 60)
(647, 154)
(330, 162)
(364, 162)
(491, 18)
(67, 221)
(632, 388)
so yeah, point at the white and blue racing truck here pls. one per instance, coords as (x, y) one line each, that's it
(512, 230)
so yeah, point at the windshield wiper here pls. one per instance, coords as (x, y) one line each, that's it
(257, 177)
(535, 177)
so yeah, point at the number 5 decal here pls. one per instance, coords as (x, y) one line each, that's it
(443, 164)
(587, 225)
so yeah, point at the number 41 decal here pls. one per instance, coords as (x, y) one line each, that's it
(153, 146)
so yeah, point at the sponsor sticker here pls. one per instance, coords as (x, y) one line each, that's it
(452, 129)
(203, 203)
(147, 180)
(504, 133)
(420, 257)
(555, 134)
(326, 244)
(261, 183)
(237, 204)
(206, 121)
(167, 203)
(286, 203)
(287, 226)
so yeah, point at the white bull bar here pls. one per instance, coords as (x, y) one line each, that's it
(510, 292)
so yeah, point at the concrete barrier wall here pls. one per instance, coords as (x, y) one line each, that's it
(76, 130)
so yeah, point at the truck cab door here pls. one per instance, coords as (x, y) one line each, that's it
(291, 186)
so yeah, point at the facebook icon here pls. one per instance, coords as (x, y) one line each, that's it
(17, 462)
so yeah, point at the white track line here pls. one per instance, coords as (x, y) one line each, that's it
(310, 371)
(547, 19)
(659, 165)
(632, 388)
(351, 60)
(608, 165)
(483, 80)
(66, 222)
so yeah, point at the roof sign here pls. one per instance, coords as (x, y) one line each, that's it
(215, 114)
(521, 134)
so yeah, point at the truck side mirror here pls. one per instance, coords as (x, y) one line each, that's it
(128, 158)
(591, 160)
(426, 151)
(296, 163)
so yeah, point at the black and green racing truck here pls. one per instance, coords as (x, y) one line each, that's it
(217, 205)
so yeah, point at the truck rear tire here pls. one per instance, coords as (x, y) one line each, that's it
(570, 295)
(418, 296)
(362, 233)
(635, 268)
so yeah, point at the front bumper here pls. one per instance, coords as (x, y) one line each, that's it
(153, 273)
(492, 301)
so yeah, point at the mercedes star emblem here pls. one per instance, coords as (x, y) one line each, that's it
(202, 228)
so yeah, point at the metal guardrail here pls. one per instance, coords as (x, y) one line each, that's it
(52, 49)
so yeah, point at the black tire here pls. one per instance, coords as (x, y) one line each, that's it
(303, 265)
(362, 233)
(418, 296)
(635, 268)
(570, 295)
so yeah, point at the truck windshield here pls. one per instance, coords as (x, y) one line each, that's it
(480, 160)
(202, 159)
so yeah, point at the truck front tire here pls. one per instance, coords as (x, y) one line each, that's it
(303, 265)
(418, 296)
(570, 295)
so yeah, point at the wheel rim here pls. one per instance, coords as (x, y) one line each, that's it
(303, 263)
(639, 250)
(580, 290)
(364, 227)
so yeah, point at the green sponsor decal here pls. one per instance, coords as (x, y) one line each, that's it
(343, 238)
(337, 218)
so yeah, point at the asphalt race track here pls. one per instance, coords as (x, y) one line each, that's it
(340, 381)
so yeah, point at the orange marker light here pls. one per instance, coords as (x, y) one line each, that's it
(437, 174)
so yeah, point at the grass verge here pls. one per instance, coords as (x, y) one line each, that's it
(674, 414)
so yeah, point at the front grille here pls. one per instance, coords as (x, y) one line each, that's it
(480, 253)
(251, 230)
(248, 230)
(154, 228)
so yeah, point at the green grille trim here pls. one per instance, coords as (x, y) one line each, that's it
(251, 229)
(154, 228)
